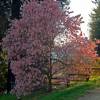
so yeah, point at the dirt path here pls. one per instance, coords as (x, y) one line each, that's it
(91, 95)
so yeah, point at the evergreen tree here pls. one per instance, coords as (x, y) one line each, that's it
(95, 25)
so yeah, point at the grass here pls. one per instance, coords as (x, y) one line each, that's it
(71, 93)
(7, 97)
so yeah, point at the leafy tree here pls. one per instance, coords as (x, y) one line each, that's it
(4, 10)
(78, 55)
(95, 25)
(16, 4)
(3, 26)
(4, 13)
(15, 9)
(30, 43)
(10, 9)
(3, 69)
(5, 7)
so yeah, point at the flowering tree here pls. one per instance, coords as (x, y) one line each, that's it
(30, 42)
(76, 57)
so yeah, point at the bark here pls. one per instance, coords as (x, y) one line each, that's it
(49, 84)
(50, 74)
(8, 78)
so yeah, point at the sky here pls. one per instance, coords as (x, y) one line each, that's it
(83, 7)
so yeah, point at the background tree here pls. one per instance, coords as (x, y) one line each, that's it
(4, 14)
(78, 57)
(95, 25)
(9, 9)
(3, 70)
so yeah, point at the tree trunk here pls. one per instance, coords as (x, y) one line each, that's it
(50, 83)
(8, 78)
(87, 78)
(15, 9)
(50, 74)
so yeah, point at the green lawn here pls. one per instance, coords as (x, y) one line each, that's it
(71, 93)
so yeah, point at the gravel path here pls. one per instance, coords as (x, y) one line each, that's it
(91, 95)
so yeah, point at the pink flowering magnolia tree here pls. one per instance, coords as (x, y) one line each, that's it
(30, 42)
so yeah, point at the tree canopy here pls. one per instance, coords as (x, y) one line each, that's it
(95, 23)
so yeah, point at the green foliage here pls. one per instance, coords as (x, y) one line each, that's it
(5, 7)
(95, 23)
(3, 26)
(97, 64)
(3, 69)
(7, 97)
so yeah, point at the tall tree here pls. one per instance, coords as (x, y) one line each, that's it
(5, 7)
(15, 9)
(10, 9)
(4, 15)
(31, 40)
(95, 25)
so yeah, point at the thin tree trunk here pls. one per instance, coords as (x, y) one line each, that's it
(8, 78)
(49, 84)
(50, 79)
(50, 74)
